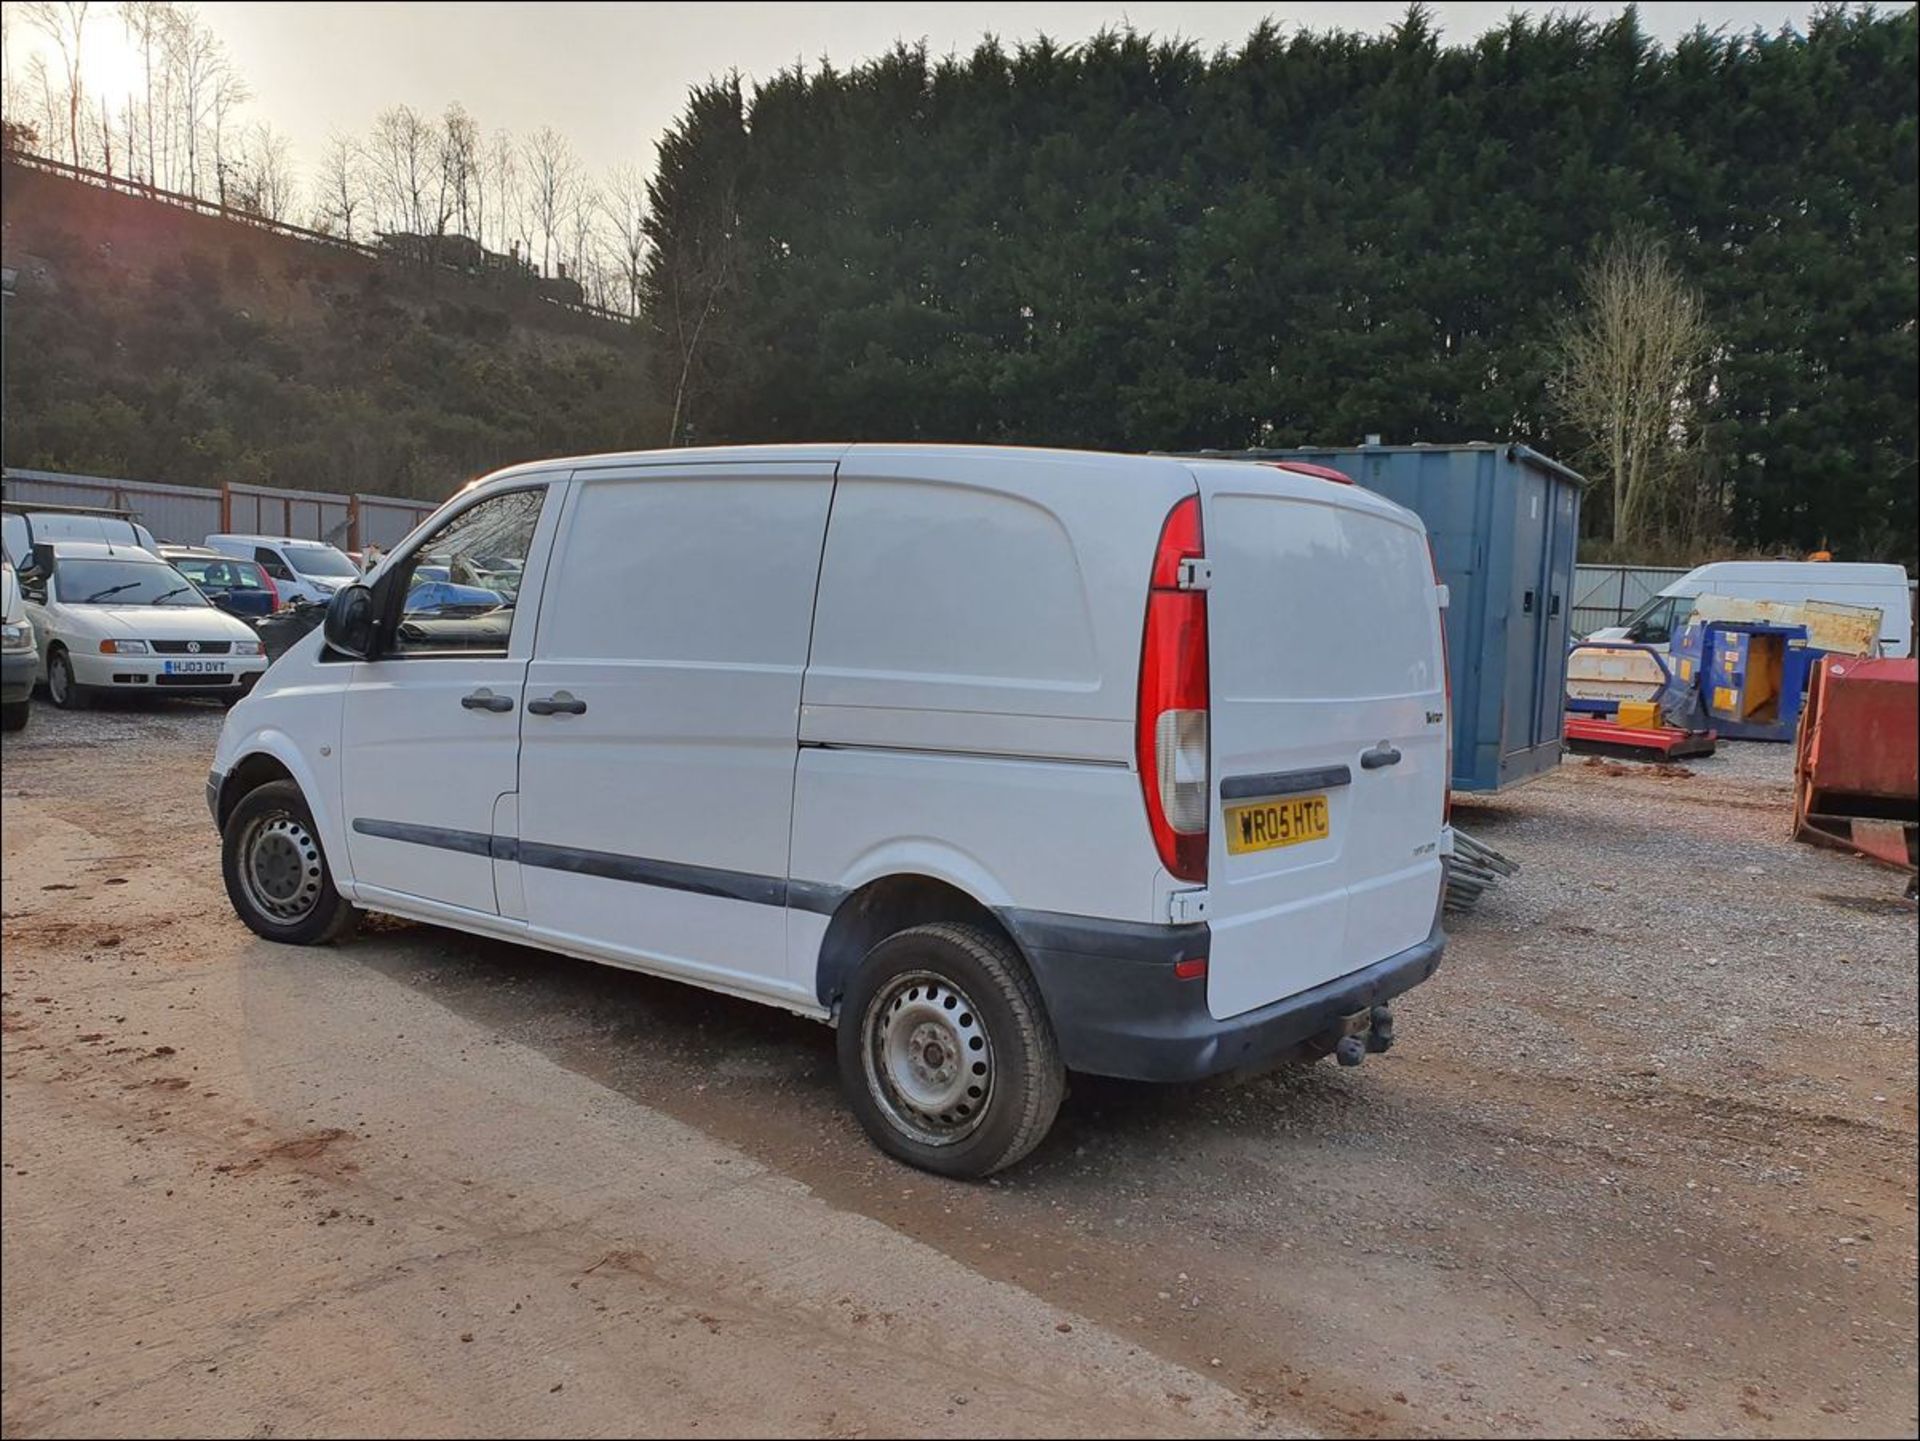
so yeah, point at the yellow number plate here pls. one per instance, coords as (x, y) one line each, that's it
(1264, 825)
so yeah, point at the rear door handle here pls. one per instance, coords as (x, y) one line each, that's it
(1381, 755)
(484, 699)
(559, 703)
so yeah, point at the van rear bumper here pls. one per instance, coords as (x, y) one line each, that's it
(1118, 1009)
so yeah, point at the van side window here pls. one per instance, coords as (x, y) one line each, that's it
(270, 562)
(459, 586)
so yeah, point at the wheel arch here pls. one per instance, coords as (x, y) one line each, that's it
(888, 904)
(253, 770)
(271, 755)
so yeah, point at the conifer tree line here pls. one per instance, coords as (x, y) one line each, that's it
(1313, 237)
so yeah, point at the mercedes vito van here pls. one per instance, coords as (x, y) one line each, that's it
(1006, 763)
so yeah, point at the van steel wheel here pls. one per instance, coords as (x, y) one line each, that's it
(276, 871)
(946, 1052)
(280, 866)
(929, 1062)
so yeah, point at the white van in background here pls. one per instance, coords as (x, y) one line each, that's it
(1792, 582)
(307, 570)
(1005, 762)
(24, 526)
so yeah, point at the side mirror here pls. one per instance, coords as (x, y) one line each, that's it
(350, 624)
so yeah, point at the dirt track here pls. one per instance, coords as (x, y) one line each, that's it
(1642, 1163)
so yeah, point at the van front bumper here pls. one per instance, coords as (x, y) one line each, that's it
(1118, 1009)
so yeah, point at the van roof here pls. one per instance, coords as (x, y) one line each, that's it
(270, 539)
(1832, 572)
(836, 451)
(99, 550)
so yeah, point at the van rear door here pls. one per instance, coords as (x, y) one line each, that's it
(1328, 731)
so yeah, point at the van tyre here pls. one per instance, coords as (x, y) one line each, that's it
(277, 876)
(946, 1053)
(62, 689)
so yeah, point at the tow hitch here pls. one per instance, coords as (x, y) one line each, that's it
(1364, 1031)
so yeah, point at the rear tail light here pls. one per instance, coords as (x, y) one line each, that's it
(1446, 672)
(1171, 725)
(273, 591)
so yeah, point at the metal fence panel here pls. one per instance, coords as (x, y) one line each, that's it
(1607, 594)
(298, 514)
(386, 521)
(188, 514)
(182, 513)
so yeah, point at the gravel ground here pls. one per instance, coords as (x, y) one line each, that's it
(1643, 1162)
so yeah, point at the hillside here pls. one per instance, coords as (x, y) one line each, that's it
(148, 341)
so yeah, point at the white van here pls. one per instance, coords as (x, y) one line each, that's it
(1792, 582)
(308, 570)
(25, 526)
(1005, 762)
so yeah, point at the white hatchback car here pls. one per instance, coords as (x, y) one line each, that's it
(118, 618)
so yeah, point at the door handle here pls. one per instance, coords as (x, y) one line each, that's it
(559, 703)
(484, 699)
(1381, 755)
(1526, 604)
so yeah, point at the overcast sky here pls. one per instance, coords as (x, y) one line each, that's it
(611, 77)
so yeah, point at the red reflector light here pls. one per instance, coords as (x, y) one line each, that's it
(1191, 969)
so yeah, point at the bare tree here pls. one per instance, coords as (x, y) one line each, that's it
(263, 180)
(342, 185)
(40, 81)
(193, 60)
(65, 23)
(404, 162)
(460, 163)
(145, 24)
(1626, 365)
(503, 183)
(579, 218)
(104, 128)
(11, 98)
(623, 201)
(552, 176)
(226, 93)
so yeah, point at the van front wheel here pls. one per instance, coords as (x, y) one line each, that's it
(275, 871)
(946, 1053)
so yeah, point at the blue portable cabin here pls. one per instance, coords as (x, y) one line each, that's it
(1504, 520)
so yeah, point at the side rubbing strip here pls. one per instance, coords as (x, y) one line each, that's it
(670, 875)
(473, 843)
(1284, 783)
(702, 880)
